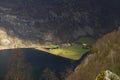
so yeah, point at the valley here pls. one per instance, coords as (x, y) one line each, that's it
(59, 40)
(68, 50)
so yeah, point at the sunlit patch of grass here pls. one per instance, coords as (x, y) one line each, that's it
(72, 52)
(75, 51)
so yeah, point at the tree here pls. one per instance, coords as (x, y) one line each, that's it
(18, 69)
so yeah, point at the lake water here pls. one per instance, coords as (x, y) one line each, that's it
(39, 61)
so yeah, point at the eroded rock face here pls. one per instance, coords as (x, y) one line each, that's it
(57, 20)
(107, 75)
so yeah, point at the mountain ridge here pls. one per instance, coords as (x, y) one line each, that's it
(56, 21)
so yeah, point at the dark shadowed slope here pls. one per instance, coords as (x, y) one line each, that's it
(58, 20)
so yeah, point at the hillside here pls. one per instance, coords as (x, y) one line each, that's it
(104, 56)
(59, 36)
(66, 50)
(58, 21)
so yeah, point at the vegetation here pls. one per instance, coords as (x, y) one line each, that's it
(72, 52)
(101, 76)
(105, 56)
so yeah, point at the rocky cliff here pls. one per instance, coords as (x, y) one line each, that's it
(58, 20)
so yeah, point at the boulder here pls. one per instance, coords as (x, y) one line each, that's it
(107, 75)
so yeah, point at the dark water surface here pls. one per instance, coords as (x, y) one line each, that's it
(39, 61)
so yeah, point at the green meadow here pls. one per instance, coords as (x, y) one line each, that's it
(74, 51)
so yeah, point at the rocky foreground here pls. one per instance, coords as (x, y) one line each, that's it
(107, 75)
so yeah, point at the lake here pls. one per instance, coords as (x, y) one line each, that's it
(39, 61)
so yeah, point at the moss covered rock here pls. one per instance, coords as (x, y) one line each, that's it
(107, 75)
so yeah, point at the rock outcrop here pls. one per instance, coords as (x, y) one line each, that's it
(107, 75)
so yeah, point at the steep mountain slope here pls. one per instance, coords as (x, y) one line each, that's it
(58, 20)
(104, 56)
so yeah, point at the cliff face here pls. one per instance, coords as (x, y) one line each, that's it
(104, 56)
(58, 20)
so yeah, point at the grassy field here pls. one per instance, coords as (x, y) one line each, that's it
(73, 52)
